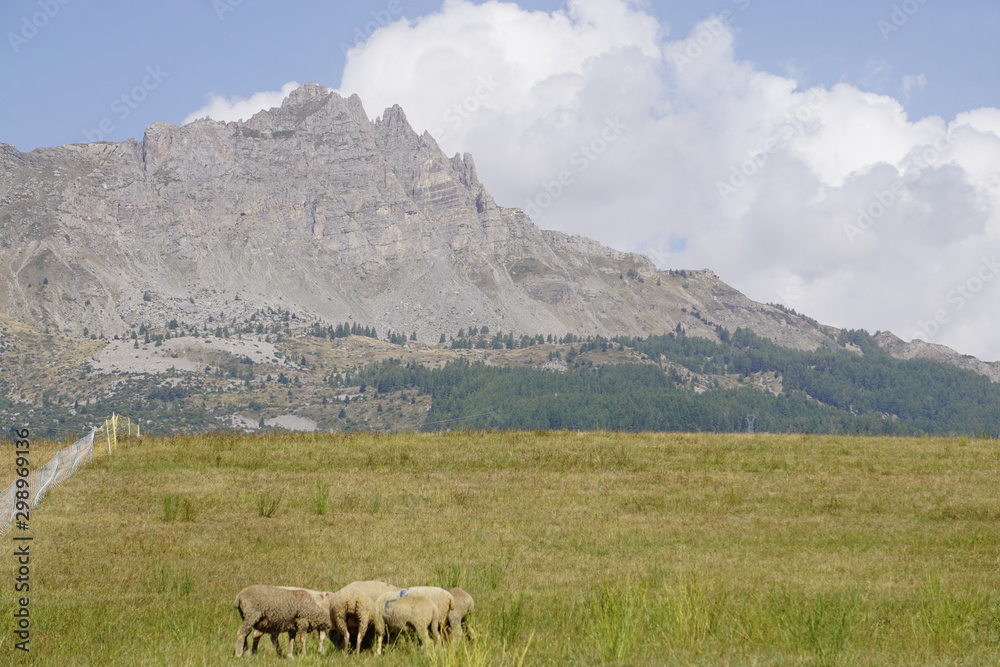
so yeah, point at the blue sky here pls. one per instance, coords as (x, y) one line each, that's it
(65, 77)
(842, 158)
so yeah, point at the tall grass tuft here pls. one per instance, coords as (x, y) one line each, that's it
(616, 612)
(374, 504)
(171, 503)
(452, 576)
(688, 613)
(484, 651)
(821, 625)
(509, 618)
(946, 619)
(827, 624)
(321, 498)
(267, 504)
(170, 582)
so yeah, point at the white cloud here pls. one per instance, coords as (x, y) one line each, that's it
(913, 83)
(831, 200)
(239, 108)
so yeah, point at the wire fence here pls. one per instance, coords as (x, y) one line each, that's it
(59, 469)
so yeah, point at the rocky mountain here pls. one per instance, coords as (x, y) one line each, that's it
(918, 349)
(313, 208)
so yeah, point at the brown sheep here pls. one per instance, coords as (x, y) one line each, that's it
(275, 609)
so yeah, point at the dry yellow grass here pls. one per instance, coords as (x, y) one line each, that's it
(582, 548)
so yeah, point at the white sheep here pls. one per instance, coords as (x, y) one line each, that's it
(412, 612)
(463, 607)
(439, 596)
(276, 609)
(373, 588)
(352, 603)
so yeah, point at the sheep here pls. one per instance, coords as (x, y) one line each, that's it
(274, 609)
(396, 614)
(322, 598)
(463, 607)
(441, 598)
(374, 588)
(352, 601)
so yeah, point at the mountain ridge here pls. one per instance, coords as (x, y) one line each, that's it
(311, 207)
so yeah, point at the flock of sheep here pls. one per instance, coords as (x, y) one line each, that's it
(427, 611)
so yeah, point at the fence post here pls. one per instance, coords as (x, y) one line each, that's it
(55, 468)
(94, 433)
(41, 485)
(72, 466)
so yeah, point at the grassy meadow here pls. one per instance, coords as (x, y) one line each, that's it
(579, 548)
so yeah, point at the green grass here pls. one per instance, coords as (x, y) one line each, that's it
(596, 548)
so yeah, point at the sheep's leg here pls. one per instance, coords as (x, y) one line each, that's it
(379, 632)
(435, 630)
(422, 634)
(277, 646)
(303, 628)
(341, 620)
(322, 638)
(241, 635)
(362, 628)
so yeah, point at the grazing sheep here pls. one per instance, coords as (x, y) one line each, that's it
(397, 614)
(439, 596)
(322, 598)
(374, 588)
(351, 601)
(275, 609)
(463, 607)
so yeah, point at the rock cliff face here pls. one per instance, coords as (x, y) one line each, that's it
(311, 207)
(918, 349)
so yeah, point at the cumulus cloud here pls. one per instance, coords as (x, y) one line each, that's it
(240, 108)
(597, 121)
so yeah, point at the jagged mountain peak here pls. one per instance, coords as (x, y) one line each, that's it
(314, 208)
